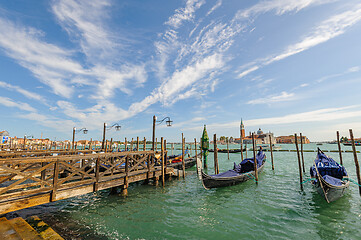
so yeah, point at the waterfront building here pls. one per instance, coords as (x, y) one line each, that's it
(260, 138)
(291, 139)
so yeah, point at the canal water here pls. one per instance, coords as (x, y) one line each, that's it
(183, 209)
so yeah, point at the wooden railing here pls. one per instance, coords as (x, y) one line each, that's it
(26, 182)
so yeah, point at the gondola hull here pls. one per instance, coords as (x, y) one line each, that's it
(332, 192)
(226, 151)
(329, 177)
(212, 182)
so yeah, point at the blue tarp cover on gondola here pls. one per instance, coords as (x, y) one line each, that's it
(247, 165)
(329, 169)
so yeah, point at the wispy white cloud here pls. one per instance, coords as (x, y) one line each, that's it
(325, 31)
(348, 71)
(84, 21)
(26, 93)
(215, 6)
(321, 115)
(273, 99)
(185, 14)
(50, 64)
(248, 71)
(279, 6)
(20, 105)
(48, 121)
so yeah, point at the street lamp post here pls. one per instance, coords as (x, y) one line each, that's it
(85, 131)
(31, 136)
(168, 122)
(115, 125)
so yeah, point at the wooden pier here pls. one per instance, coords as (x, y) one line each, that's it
(40, 179)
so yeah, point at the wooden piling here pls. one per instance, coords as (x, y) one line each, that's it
(299, 162)
(183, 158)
(126, 184)
(339, 146)
(356, 161)
(162, 158)
(144, 144)
(156, 144)
(111, 145)
(271, 149)
(216, 169)
(303, 161)
(241, 147)
(172, 148)
(227, 147)
(131, 145)
(125, 145)
(165, 157)
(195, 146)
(97, 175)
(55, 181)
(254, 159)
(137, 143)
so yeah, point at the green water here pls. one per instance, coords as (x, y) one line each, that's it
(273, 209)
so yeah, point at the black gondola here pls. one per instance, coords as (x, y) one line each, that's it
(240, 173)
(226, 151)
(330, 178)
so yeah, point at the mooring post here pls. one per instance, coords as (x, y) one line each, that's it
(111, 145)
(165, 158)
(125, 185)
(356, 161)
(216, 170)
(270, 146)
(303, 161)
(227, 147)
(339, 146)
(97, 168)
(125, 145)
(55, 181)
(195, 151)
(241, 147)
(156, 144)
(131, 145)
(144, 144)
(254, 159)
(137, 144)
(183, 158)
(299, 162)
(172, 148)
(246, 150)
(162, 158)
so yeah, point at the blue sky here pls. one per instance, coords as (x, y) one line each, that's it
(284, 66)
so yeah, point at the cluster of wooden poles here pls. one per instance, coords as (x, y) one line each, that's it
(301, 158)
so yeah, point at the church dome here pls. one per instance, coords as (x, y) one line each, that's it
(259, 132)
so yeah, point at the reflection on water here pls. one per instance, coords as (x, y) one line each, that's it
(273, 209)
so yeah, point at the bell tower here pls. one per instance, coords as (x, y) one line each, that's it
(242, 132)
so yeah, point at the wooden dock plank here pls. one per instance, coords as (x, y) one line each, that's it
(43, 229)
(7, 232)
(25, 231)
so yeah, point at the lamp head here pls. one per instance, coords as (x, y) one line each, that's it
(169, 123)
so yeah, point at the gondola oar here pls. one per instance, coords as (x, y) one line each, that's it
(321, 184)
